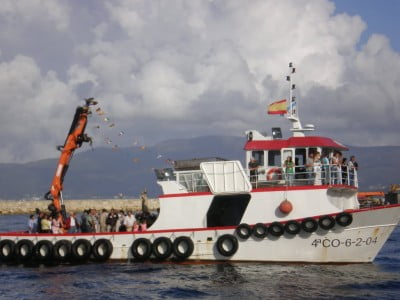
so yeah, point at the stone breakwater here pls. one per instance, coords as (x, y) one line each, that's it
(14, 207)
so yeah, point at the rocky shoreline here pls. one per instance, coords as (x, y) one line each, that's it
(15, 207)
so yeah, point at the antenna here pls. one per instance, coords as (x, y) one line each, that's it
(292, 107)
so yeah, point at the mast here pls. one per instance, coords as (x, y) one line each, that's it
(292, 107)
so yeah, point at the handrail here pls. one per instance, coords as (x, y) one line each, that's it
(194, 181)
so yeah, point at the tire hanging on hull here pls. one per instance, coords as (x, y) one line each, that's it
(183, 247)
(81, 250)
(141, 249)
(102, 250)
(7, 248)
(162, 248)
(44, 251)
(227, 245)
(24, 250)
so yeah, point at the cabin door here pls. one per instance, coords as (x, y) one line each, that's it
(286, 152)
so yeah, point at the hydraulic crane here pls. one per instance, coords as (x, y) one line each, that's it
(76, 136)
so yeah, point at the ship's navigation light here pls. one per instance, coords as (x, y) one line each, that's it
(276, 133)
(250, 136)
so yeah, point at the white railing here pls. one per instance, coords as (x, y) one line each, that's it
(194, 181)
(302, 175)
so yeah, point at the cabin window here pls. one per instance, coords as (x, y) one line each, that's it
(258, 156)
(274, 158)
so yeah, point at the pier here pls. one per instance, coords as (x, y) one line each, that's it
(14, 207)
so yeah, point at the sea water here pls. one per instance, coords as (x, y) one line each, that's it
(133, 280)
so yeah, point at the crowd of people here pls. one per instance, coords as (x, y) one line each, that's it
(90, 220)
(320, 169)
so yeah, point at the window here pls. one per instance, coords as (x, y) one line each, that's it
(274, 158)
(258, 156)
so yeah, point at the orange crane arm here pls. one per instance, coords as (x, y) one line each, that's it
(76, 136)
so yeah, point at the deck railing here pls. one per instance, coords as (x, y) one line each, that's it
(302, 175)
(194, 181)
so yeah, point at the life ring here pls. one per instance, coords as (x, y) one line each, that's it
(183, 247)
(243, 231)
(292, 227)
(7, 248)
(62, 250)
(274, 174)
(326, 222)
(276, 229)
(309, 225)
(102, 249)
(162, 247)
(43, 251)
(344, 219)
(24, 250)
(81, 250)
(141, 248)
(260, 230)
(227, 245)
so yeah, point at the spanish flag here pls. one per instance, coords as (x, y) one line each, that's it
(277, 108)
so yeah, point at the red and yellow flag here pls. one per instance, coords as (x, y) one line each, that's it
(277, 108)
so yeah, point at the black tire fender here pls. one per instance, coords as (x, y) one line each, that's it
(183, 247)
(276, 229)
(326, 222)
(102, 249)
(81, 250)
(162, 248)
(62, 250)
(136, 247)
(44, 251)
(24, 250)
(243, 231)
(309, 225)
(7, 250)
(260, 230)
(227, 245)
(344, 219)
(292, 227)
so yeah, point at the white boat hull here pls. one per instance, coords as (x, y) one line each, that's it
(359, 242)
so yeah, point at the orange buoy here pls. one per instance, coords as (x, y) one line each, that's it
(285, 206)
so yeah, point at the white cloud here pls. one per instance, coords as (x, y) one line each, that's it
(191, 67)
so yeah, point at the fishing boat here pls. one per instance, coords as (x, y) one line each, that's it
(286, 204)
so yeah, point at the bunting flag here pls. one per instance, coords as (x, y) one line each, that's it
(277, 108)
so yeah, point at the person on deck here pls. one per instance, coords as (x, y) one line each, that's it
(253, 168)
(71, 223)
(103, 220)
(325, 168)
(112, 221)
(317, 168)
(353, 167)
(46, 223)
(310, 168)
(129, 221)
(336, 172)
(32, 224)
(289, 170)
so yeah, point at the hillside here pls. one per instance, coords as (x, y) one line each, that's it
(105, 173)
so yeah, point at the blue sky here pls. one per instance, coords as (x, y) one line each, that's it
(382, 16)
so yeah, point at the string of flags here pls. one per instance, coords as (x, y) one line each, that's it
(108, 124)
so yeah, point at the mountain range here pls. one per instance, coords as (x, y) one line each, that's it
(126, 172)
